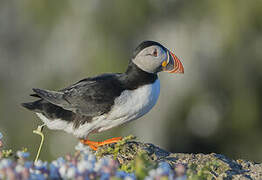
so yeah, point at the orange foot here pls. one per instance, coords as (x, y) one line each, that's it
(94, 145)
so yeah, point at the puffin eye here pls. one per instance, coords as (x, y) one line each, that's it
(155, 53)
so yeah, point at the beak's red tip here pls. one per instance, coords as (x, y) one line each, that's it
(178, 66)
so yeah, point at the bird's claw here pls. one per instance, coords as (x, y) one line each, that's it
(94, 144)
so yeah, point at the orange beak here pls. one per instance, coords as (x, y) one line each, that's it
(173, 64)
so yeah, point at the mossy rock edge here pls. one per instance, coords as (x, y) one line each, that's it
(207, 166)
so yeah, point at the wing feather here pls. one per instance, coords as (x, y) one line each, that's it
(89, 97)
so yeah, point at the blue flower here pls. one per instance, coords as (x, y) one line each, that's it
(132, 175)
(53, 172)
(1, 135)
(28, 164)
(40, 165)
(165, 168)
(5, 163)
(62, 171)
(92, 158)
(22, 154)
(59, 162)
(121, 174)
(125, 175)
(37, 176)
(83, 166)
(105, 176)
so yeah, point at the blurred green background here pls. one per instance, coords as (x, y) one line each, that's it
(216, 106)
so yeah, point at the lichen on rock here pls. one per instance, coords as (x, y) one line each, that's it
(198, 166)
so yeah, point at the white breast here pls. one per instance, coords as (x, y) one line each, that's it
(130, 105)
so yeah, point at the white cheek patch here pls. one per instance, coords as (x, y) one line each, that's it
(149, 63)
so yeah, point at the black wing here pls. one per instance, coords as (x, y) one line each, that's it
(89, 97)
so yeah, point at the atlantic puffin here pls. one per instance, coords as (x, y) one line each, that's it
(99, 103)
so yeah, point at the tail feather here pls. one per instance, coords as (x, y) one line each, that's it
(53, 97)
(33, 106)
(35, 95)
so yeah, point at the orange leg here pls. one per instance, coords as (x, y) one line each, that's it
(94, 145)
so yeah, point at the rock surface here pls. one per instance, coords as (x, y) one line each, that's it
(209, 166)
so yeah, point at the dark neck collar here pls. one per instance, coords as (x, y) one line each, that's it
(134, 77)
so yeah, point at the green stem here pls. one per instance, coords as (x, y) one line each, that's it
(39, 132)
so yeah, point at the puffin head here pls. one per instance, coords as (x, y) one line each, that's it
(152, 57)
